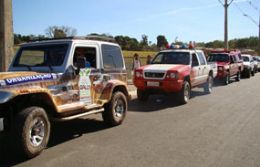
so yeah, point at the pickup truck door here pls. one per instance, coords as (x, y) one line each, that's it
(195, 70)
(233, 66)
(204, 71)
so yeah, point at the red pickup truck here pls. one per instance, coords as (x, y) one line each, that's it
(229, 64)
(175, 71)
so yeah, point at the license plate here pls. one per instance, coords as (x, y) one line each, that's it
(1, 124)
(153, 84)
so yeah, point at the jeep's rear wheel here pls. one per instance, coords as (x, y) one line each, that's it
(115, 110)
(32, 131)
(184, 94)
(142, 95)
(209, 84)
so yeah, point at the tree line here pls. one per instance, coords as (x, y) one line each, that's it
(132, 44)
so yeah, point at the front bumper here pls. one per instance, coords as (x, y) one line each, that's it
(164, 86)
(221, 74)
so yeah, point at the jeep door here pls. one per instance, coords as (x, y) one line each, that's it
(88, 76)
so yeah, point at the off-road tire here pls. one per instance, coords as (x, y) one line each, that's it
(31, 131)
(209, 84)
(115, 110)
(184, 94)
(142, 95)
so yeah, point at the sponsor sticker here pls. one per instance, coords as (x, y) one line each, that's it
(85, 86)
(32, 78)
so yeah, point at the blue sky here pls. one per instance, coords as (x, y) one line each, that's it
(186, 20)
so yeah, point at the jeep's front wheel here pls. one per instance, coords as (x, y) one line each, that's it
(115, 110)
(32, 131)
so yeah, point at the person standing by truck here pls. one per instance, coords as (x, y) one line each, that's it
(136, 61)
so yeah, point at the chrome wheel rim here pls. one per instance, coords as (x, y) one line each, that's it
(186, 93)
(119, 108)
(210, 84)
(227, 79)
(37, 132)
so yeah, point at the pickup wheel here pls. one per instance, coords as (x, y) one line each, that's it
(184, 94)
(31, 131)
(142, 95)
(209, 85)
(238, 76)
(249, 73)
(115, 110)
(227, 79)
(253, 73)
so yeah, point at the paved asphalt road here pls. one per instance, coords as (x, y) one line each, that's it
(217, 130)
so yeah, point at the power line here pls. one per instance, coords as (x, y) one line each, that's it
(252, 5)
(246, 15)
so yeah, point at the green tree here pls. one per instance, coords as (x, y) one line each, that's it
(161, 41)
(60, 31)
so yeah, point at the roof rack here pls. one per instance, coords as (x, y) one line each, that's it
(89, 37)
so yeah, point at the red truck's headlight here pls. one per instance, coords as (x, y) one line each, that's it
(221, 68)
(172, 75)
(139, 74)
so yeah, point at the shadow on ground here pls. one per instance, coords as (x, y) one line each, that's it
(160, 102)
(61, 132)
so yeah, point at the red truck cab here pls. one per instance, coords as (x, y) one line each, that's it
(229, 64)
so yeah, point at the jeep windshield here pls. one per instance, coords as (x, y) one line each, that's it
(218, 58)
(41, 56)
(172, 58)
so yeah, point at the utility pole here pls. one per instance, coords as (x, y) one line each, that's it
(226, 5)
(6, 33)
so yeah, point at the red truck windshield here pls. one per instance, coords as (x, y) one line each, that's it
(218, 58)
(172, 58)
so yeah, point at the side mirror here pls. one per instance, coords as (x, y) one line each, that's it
(81, 62)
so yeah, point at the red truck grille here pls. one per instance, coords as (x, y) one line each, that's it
(156, 75)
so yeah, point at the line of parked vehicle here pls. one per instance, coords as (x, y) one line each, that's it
(177, 71)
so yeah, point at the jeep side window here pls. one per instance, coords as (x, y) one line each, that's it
(89, 53)
(195, 61)
(112, 57)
